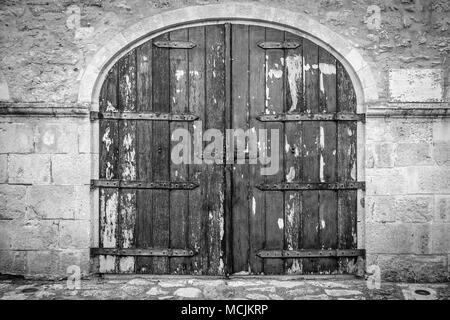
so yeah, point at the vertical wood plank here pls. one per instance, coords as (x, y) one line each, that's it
(144, 132)
(327, 161)
(109, 154)
(347, 214)
(214, 118)
(310, 134)
(257, 98)
(293, 151)
(161, 153)
(127, 158)
(179, 103)
(275, 199)
(197, 212)
(240, 175)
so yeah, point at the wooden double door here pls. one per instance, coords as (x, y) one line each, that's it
(160, 217)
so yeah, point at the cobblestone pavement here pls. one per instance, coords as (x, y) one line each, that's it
(213, 288)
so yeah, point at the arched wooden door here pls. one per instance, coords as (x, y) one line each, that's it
(164, 218)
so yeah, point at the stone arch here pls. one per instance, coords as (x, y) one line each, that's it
(362, 77)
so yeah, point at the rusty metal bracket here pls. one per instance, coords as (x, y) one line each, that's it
(279, 45)
(286, 117)
(149, 252)
(156, 116)
(175, 44)
(288, 254)
(311, 186)
(124, 184)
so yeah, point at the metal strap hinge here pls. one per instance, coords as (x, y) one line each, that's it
(312, 186)
(286, 117)
(156, 116)
(128, 184)
(175, 44)
(279, 45)
(288, 254)
(155, 252)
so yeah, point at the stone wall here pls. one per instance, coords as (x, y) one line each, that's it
(47, 156)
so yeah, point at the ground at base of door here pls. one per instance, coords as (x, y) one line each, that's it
(240, 288)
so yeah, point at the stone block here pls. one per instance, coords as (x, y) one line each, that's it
(401, 238)
(13, 262)
(413, 154)
(382, 154)
(441, 153)
(3, 168)
(16, 138)
(415, 85)
(56, 137)
(440, 238)
(5, 234)
(53, 202)
(410, 268)
(43, 264)
(413, 208)
(29, 168)
(84, 138)
(13, 200)
(398, 130)
(74, 234)
(430, 179)
(380, 208)
(442, 208)
(71, 169)
(441, 130)
(386, 181)
(35, 235)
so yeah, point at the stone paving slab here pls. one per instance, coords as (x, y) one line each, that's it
(149, 288)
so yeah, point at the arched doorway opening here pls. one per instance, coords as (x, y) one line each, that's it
(201, 218)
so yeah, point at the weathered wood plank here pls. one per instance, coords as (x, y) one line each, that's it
(161, 154)
(347, 142)
(197, 212)
(327, 161)
(127, 159)
(257, 99)
(214, 118)
(240, 173)
(310, 135)
(293, 151)
(275, 101)
(179, 103)
(109, 154)
(144, 132)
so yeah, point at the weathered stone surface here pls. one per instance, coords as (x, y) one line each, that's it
(429, 179)
(35, 235)
(29, 168)
(74, 234)
(441, 153)
(13, 262)
(53, 202)
(399, 130)
(43, 263)
(3, 168)
(442, 208)
(13, 201)
(386, 181)
(56, 137)
(409, 154)
(85, 131)
(440, 238)
(398, 238)
(188, 292)
(16, 138)
(74, 257)
(411, 268)
(415, 85)
(71, 169)
(382, 155)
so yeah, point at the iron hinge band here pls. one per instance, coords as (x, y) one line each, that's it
(171, 44)
(149, 252)
(124, 184)
(289, 254)
(155, 116)
(287, 117)
(312, 186)
(279, 45)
